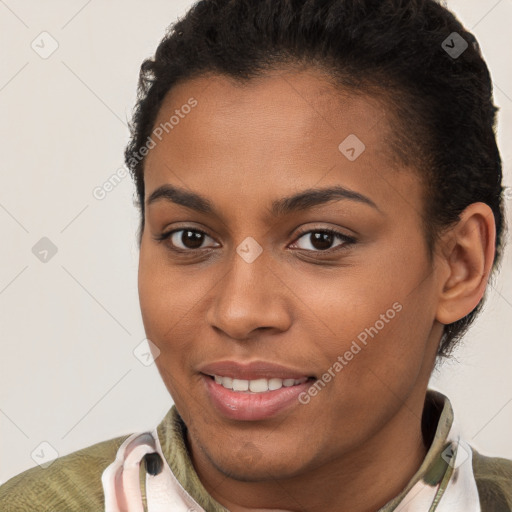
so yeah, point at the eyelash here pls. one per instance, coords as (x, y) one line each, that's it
(345, 238)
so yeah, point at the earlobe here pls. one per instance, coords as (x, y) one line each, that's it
(468, 261)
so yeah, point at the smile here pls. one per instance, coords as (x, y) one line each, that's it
(256, 385)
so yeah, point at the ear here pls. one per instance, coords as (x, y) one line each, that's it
(468, 253)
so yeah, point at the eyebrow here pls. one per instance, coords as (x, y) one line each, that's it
(280, 207)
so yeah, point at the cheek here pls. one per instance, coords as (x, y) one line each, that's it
(394, 352)
(164, 318)
(381, 318)
(160, 300)
(170, 301)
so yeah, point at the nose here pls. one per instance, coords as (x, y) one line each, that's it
(251, 297)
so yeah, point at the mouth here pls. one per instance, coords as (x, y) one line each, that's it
(261, 385)
(253, 399)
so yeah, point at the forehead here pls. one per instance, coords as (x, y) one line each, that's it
(288, 128)
(282, 106)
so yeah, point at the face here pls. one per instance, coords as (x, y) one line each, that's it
(333, 288)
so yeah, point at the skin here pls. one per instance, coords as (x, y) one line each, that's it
(297, 305)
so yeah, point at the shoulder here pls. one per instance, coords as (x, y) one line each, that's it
(71, 482)
(493, 477)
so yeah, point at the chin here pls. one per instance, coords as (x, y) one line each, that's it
(246, 465)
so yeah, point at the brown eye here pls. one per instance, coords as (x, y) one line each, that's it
(188, 239)
(321, 240)
(184, 240)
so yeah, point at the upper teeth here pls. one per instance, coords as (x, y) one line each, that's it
(257, 385)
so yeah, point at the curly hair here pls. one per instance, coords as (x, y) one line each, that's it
(443, 114)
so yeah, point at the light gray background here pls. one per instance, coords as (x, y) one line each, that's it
(68, 327)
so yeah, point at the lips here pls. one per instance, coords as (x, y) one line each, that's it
(252, 371)
(253, 391)
(248, 406)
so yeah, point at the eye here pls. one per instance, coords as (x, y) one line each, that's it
(320, 240)
(190, 240)
(184, 240)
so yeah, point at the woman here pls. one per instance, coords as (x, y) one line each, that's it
(321, 210)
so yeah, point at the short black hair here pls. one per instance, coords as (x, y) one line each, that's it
(442, 103)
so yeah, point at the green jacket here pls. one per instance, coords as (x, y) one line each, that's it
(73, 482)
